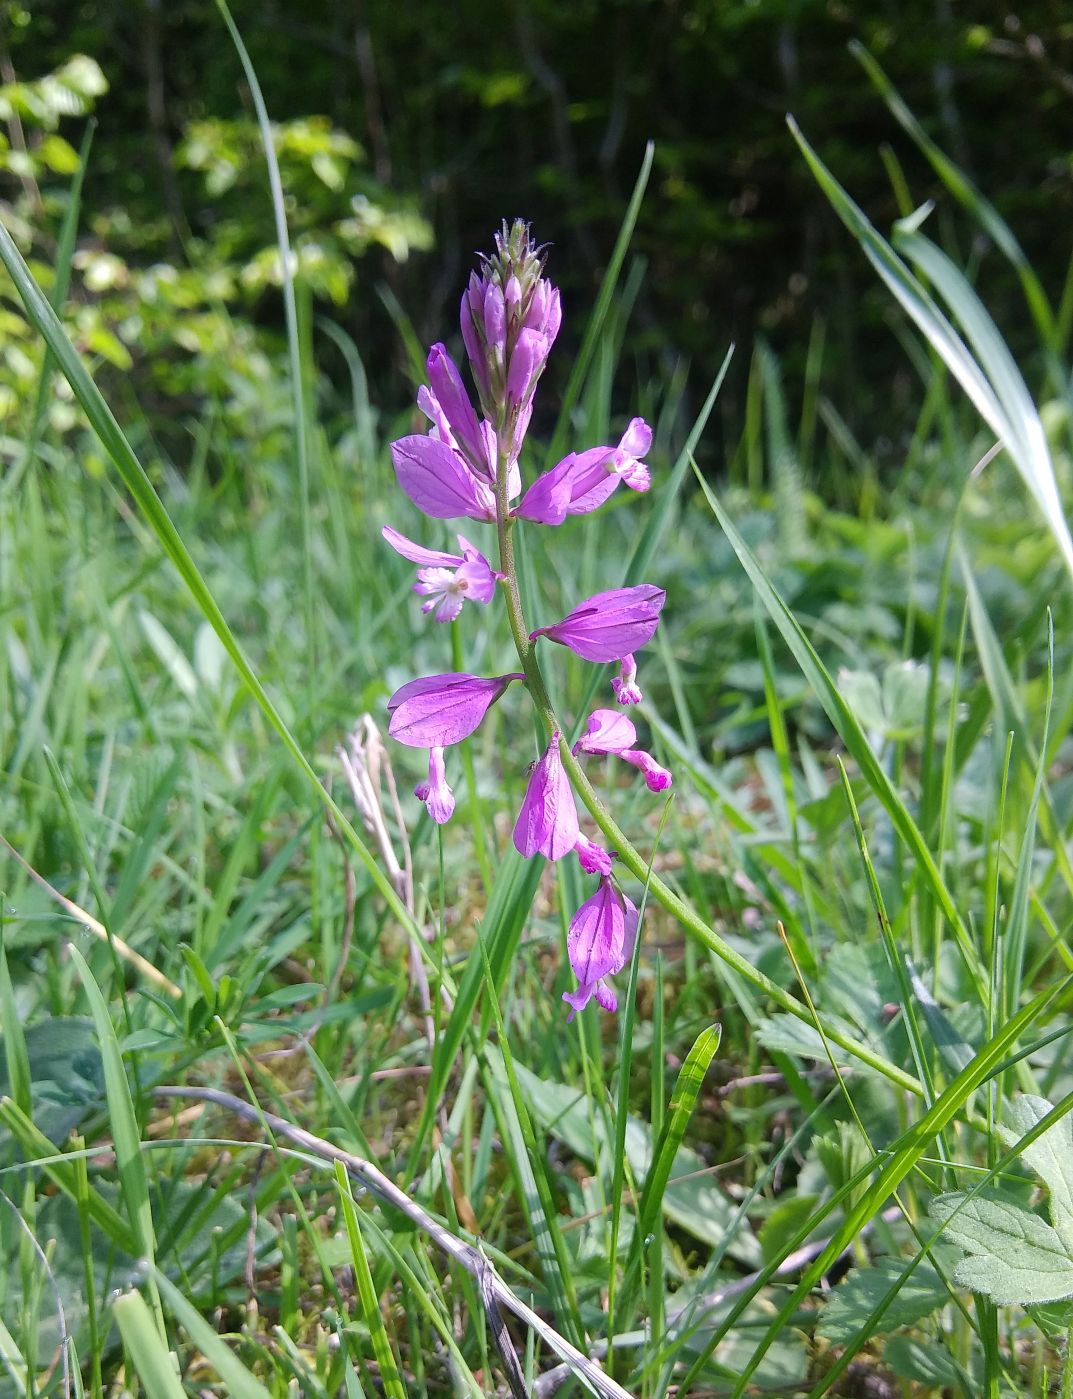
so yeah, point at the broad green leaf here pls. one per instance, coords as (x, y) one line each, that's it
(1050, 1156)
(851, 1304)
(1014, 1256)
(692, 1199)
(926, 1363)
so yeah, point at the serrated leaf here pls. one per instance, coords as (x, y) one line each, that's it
(1050, 1156)
(851, 1305)
(1014, 1255)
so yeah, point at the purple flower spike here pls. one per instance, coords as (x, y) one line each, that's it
(609, 625)
(600, 943)
(451, 578)
(592, 858)
(435, 793)
(547, 822)
(581, 482)
(438, 710)
(625, 686)
(439, 482)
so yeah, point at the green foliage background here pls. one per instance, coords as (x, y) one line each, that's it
(460, 115)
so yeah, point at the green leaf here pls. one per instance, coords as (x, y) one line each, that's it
(1014, 1256)
(995, 387)
(925, 1363)
(683, 1101)
(852, 1303)
(692, 1199)
(1050, 1156)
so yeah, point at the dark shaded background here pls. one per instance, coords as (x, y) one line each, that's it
(542, 109)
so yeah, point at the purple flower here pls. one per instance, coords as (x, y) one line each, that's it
(450, 577)
(547, 822)
(609, 731)
(600, 943)
(435, 793)
(581, 482)
(609, 625)
(438, 710)
(657, 779)
(439, 481)
(447, 403)
(625, 686)
(592, 858)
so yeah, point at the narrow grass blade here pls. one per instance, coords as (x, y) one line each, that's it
(1024, 439)
(294, 357)
(240, 1383)
(148, 1349)
(15, 1055)
(130, 1163)
(964, 191)
(591, 337)
(682, 1105)
(530, 1167)
(1028, 452)
(370, 1308)
(852, 735)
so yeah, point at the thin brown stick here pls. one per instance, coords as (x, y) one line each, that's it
(462, 1253)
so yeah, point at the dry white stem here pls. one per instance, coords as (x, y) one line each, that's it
(98, 929)
(385, 1189)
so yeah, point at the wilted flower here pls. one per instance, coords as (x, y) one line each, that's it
(593, 858)
(599, 944)
(609, 625)
(450, 577)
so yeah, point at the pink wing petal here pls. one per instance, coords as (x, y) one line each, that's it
(430, 558)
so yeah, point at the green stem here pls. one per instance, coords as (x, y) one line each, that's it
(632, 858)
(476, 806)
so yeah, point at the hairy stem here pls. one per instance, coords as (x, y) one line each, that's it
(632, 858)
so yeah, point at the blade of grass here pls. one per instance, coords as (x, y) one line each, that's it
(851, 734)
(591, 338)
(147, 1349)
(240, 1383)
(993, 401)
(130, 1164)
(390, 1377)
